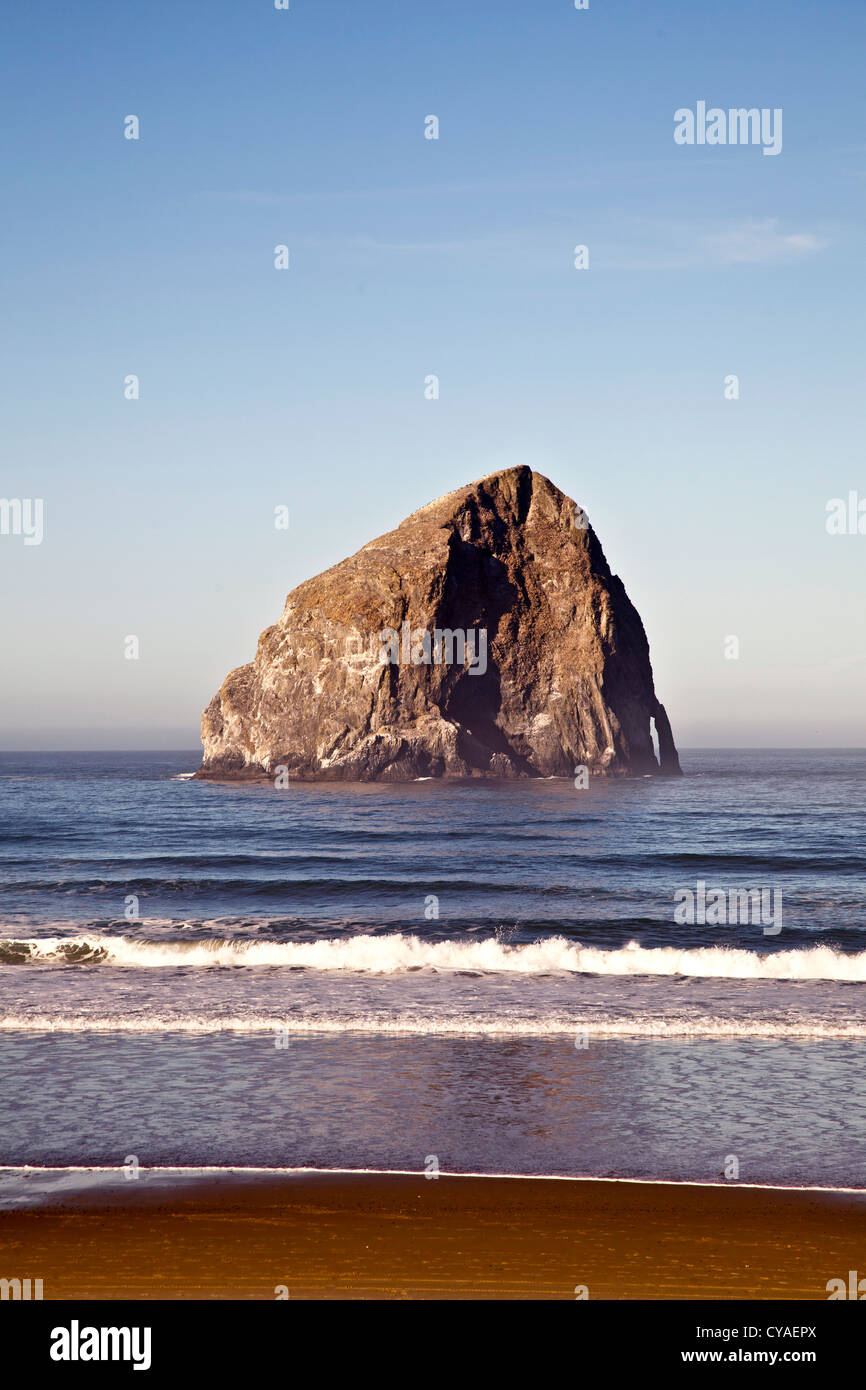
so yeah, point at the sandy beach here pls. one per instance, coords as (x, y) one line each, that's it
(382, 1236)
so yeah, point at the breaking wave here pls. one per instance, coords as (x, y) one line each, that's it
(397, 952)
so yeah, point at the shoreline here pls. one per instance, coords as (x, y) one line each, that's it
(320, 1234)
(258, 1172)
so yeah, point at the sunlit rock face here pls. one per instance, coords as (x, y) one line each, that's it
(484, 637)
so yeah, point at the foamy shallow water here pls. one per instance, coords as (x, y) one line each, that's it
(643, 1108)
(363, 976)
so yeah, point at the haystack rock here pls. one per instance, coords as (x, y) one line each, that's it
(485, 636)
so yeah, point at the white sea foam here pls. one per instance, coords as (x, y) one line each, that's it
(398, 952)
(504, 1024)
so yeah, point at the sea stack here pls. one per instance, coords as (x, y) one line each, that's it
(484, 637)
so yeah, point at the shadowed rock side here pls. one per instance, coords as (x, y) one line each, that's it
(565, 679)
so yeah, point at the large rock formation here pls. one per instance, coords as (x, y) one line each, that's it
(346, 684)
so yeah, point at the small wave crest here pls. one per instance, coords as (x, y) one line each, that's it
(389, 1024)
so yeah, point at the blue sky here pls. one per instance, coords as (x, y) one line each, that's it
(409, 257)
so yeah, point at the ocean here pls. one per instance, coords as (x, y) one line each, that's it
(478, 977)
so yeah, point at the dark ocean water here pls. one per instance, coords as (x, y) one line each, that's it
(362, 976)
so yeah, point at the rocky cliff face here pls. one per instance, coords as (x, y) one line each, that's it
(485, 636)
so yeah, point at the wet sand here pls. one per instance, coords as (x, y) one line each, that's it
(336, 1236)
